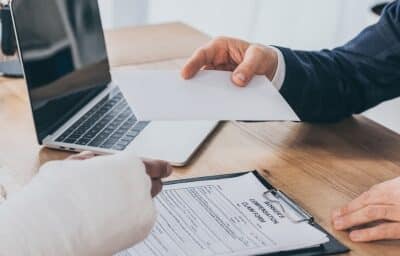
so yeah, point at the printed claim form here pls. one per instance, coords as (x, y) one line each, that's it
(223, 217)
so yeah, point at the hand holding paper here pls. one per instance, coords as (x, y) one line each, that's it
(211, 95)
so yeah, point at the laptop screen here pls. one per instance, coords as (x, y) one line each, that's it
(64, 57)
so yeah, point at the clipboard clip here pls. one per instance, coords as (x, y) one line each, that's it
(297, 215)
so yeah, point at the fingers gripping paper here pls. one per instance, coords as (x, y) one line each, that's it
(164, 95)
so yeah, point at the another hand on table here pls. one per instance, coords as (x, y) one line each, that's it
(245, 60)
(156, 169)
(380, 206)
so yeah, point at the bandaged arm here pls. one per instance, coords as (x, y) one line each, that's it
(93, 207)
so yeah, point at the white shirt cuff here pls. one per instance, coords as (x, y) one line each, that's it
(280, 74)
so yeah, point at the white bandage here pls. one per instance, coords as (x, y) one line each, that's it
(72, 208)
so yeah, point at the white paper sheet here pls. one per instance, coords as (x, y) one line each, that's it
(222, 217)
(211, 95)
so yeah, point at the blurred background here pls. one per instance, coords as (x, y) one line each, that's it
(305, 24)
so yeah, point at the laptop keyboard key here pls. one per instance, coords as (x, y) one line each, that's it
(96, 142)
(107, 145)
(140, 126)
(62, 137)
(70, 140)
(110, 142)
(131, 134)
(119, 147)
(83, 141)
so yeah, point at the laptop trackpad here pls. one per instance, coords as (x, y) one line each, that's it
(174, 141)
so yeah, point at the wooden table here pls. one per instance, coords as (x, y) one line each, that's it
(320, 166)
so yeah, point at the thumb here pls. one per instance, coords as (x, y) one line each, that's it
(247, 69)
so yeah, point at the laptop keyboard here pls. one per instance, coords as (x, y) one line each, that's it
(110, 124)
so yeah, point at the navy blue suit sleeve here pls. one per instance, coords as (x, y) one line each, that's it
(330, 85)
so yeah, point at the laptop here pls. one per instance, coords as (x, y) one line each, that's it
(75, 104)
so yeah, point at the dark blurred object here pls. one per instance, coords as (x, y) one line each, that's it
(9, 68)
(8, 43)
(377, 9)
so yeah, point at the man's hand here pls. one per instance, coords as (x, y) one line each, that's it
(380, 206)
(244, 59)
(157, 170)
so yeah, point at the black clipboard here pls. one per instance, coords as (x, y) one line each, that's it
(331, 248)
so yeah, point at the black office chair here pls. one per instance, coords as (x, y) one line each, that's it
(9, 68)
